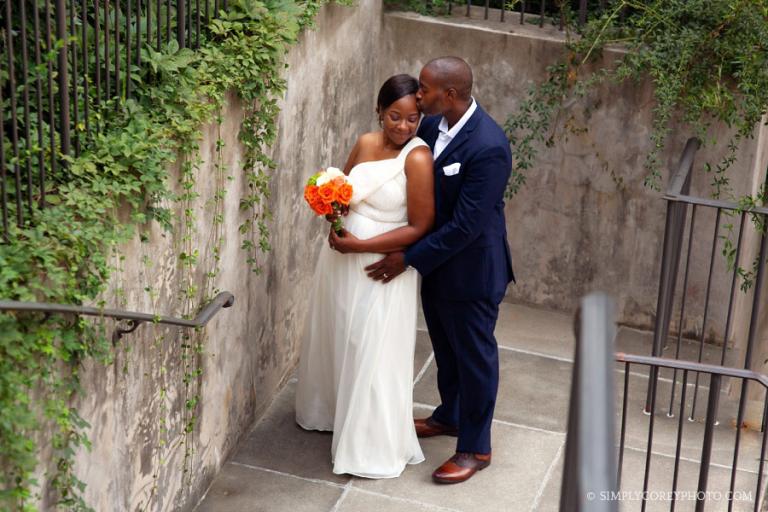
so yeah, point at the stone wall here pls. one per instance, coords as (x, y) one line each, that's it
(135, 405)
(584, 221)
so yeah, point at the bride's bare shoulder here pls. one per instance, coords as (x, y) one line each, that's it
(369, 141)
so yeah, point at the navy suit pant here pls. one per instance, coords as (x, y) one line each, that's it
(467, 358)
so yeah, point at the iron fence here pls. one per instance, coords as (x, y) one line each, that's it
(63, 62)
(729, 221)
(536, 12)
(716, 375)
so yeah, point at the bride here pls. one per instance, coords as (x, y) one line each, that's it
(355, 374)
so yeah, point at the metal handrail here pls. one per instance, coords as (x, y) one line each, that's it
(680, 181)
(222, 300)
(680, 364)
(714, 203)
(590, 452)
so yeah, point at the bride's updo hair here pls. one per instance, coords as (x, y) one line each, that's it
(395, 88)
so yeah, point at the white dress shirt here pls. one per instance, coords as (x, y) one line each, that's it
(446, 136)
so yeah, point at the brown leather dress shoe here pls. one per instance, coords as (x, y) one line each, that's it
(461, 467)
(429, 428)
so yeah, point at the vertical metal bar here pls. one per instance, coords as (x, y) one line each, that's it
(197, 23)
(181, 20)
(208, 13)
(216, 8)
(14, 120)
(51, 104)
(582, 12)
(706, 308)
(25, 73)
(73, 86)
(679, 445)
(541, 14)
(138, 31)
(39, 94)
(3, 191)
(107, 53)
(623, 434)
(61, 34)
(487, 2)
(706, 449)
(149, 23)
(450, 8)
(96, 38)
(128, 13)
(682, 306)
(522, 12)
(729, 317)
(118, 93)
(649, 446)
(469, 7)
(84, 47)
(762, 458)
(670, 261)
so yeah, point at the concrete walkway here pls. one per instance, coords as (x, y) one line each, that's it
(280, 468)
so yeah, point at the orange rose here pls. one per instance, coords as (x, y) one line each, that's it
(327, 193)
(345, 193)
(319, 207)
(310, 194)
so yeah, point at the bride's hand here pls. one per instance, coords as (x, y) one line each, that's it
(344, 243)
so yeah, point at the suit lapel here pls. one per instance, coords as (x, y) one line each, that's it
(460, 137)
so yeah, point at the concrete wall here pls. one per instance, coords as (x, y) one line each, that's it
(584, 221)
(572, 229)
(135, 405)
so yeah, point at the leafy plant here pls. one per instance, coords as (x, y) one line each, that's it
(706, 59)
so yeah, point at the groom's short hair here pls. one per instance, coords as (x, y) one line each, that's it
(452, 72)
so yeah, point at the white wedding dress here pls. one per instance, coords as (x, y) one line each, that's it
(355, 372)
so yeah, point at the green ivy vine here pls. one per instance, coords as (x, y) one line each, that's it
(68, 251)
(707, 61)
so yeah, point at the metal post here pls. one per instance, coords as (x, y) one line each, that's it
(706, 449)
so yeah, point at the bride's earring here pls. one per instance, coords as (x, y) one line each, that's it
(381, 121)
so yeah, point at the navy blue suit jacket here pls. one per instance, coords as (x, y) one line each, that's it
(466, 256)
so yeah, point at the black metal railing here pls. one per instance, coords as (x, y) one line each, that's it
(537, 12)
(725, 216)
(594, 474)
(134, 319)
(589, 472)
(62, 63)
(702, 490)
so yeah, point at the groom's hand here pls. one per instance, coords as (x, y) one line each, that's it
(388, 268)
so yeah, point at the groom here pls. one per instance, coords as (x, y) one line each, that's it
(465, 262)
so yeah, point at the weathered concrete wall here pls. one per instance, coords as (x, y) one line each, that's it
(584, 221)
(136, 405)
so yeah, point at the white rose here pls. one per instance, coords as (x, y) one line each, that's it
(329, 174)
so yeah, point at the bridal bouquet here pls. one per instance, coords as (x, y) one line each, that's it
(328, 193)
